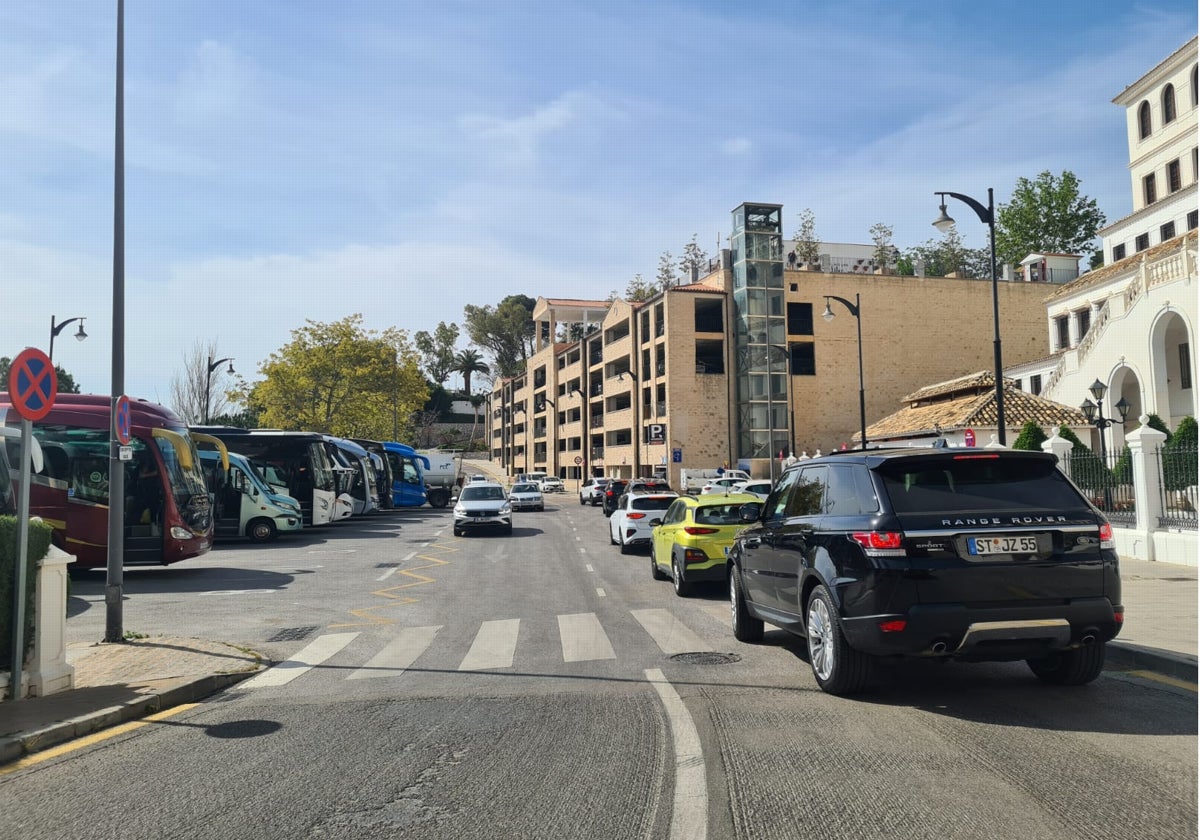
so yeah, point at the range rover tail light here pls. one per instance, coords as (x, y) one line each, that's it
(894, 626)
(1106, 536)
(881, 543)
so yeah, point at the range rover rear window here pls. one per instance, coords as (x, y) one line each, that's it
(1002, 484)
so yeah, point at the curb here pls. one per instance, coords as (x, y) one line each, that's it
(1126, 655)
(27, 743)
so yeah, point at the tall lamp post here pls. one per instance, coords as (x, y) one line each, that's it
(987, 215)
(56, 328)
(1094, 412)
(212, 366)
(855, 309)
(551, 461)
(524, 437)
(634, 400)
(585, 443)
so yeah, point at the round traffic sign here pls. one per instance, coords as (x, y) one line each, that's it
(969, 437)
(578, 460)
(32, 384)
(122, 421)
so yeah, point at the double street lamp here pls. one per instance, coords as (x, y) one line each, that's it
(57, 327)
(855, 309)
(212, 366)
(1094, 412)
(987, 215)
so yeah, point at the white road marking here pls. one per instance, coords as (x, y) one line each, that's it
(494, 645)
(600, 592)
(689, 815)
(583, 638)
(587, 566)
(314, 653)
(237, 592)
(668, 632)
(583, 550)
(396, 568)
(399, 654)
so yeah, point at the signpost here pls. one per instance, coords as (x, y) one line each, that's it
(578, 460)
(32, 386)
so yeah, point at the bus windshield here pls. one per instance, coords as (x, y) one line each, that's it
(182, 465)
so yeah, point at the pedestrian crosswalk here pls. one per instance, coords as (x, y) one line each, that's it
(581, 637)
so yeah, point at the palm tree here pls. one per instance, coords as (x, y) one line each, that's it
(468, 362)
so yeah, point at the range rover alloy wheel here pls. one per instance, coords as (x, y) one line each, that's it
(837, 667)
(746, 628)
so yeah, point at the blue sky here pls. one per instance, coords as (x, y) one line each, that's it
(309, 160)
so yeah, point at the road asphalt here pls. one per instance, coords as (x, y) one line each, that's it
(116, 683)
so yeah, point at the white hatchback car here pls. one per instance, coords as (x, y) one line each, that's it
(552, 484)
(629, 524)
(760, 487)
(720, 485)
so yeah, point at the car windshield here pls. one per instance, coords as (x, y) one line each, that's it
(524, 488)
(482, 492)
(727, 514)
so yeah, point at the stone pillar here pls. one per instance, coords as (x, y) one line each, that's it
(47, 670)
(1060, 447)
(1143, 443)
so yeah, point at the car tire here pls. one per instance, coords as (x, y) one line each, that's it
(611, 539)
(838, 668)
(746, 628)
(625, 549)
(458, 532)
(682, 587)
(261, 530)
(1070, 667)
(655, 572)
(508, 529)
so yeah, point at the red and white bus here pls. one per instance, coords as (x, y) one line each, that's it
(168, 512)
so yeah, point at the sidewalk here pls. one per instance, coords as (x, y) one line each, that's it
(121, 682)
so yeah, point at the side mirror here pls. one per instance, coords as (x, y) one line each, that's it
(655, 522)
(750, 512)
(253, 492)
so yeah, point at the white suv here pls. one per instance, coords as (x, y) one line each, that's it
(629, 524)
(592, 490)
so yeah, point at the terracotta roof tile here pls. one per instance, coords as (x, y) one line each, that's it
(978, 409)
(1100, 275)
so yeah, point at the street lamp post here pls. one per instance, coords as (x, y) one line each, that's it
(56, 328)
(855, 309)
(212, 366)
(524, 437)
(987, 215)
(585, 443)
(1094, 412)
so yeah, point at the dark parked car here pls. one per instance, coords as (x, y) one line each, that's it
(965, 554)
(612, 494)
(649, 485)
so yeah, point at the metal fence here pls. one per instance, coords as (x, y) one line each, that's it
(1109, 485)
(1177, 473)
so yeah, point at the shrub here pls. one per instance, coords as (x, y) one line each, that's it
(1179, 456)
(39, 543)
(1031, 438)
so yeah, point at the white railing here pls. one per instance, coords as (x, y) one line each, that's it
(1093, 333)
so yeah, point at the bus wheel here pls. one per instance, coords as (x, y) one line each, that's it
(438, 498)
(260, 530)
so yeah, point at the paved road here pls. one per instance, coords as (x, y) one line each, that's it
(524, 686)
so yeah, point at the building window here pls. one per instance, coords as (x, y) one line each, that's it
(1166, 232)
(1063, 326)
(1168, 104)
(710, 315)
(1144, 121)
(1185, 366)
(710, 356)
(804, 359)
(1118, 252)
(1149, 189)
(1192, 219)
(1083, 320)
(799, 319)
(1174, 176)
(1142, 242)
(1035, 384)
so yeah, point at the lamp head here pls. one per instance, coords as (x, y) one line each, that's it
(1089, 410)
(80, 335)
(1098, 388)
(943, 222)
(828, 313)
(231, 371)
(1123, 408)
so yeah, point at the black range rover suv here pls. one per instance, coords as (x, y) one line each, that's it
(967, 554)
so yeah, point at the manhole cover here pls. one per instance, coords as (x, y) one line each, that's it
(292, 634)
(706, 658)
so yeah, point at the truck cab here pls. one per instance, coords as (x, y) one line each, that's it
(245, 504)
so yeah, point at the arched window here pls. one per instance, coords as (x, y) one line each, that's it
(1195, 92)
(1168, 104)
(1144, 121)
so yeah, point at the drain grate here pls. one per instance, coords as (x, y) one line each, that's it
(292, 634)
(706, 658)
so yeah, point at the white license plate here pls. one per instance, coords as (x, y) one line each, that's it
(1002, 545)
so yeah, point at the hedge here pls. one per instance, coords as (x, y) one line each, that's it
(39, 543)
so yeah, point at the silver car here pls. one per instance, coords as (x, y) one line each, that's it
(525, 495)
(482, 504)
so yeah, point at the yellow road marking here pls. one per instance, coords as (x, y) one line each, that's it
(94, 738)
(368, 613)
(1163, 678)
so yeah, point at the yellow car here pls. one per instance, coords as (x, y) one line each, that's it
(691, 543)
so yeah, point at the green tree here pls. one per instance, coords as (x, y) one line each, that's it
(946, 256)
(694, 261)
(437, 351)
(666, 277)
(1048, 214)
(808, 247)
(1031, 438)
(341, 379)
(1087, 470)
(469, 362)
(506, 331)
(638, 290)
(884, 253)
(66, 382)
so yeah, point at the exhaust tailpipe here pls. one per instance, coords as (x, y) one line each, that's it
(939, 647)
